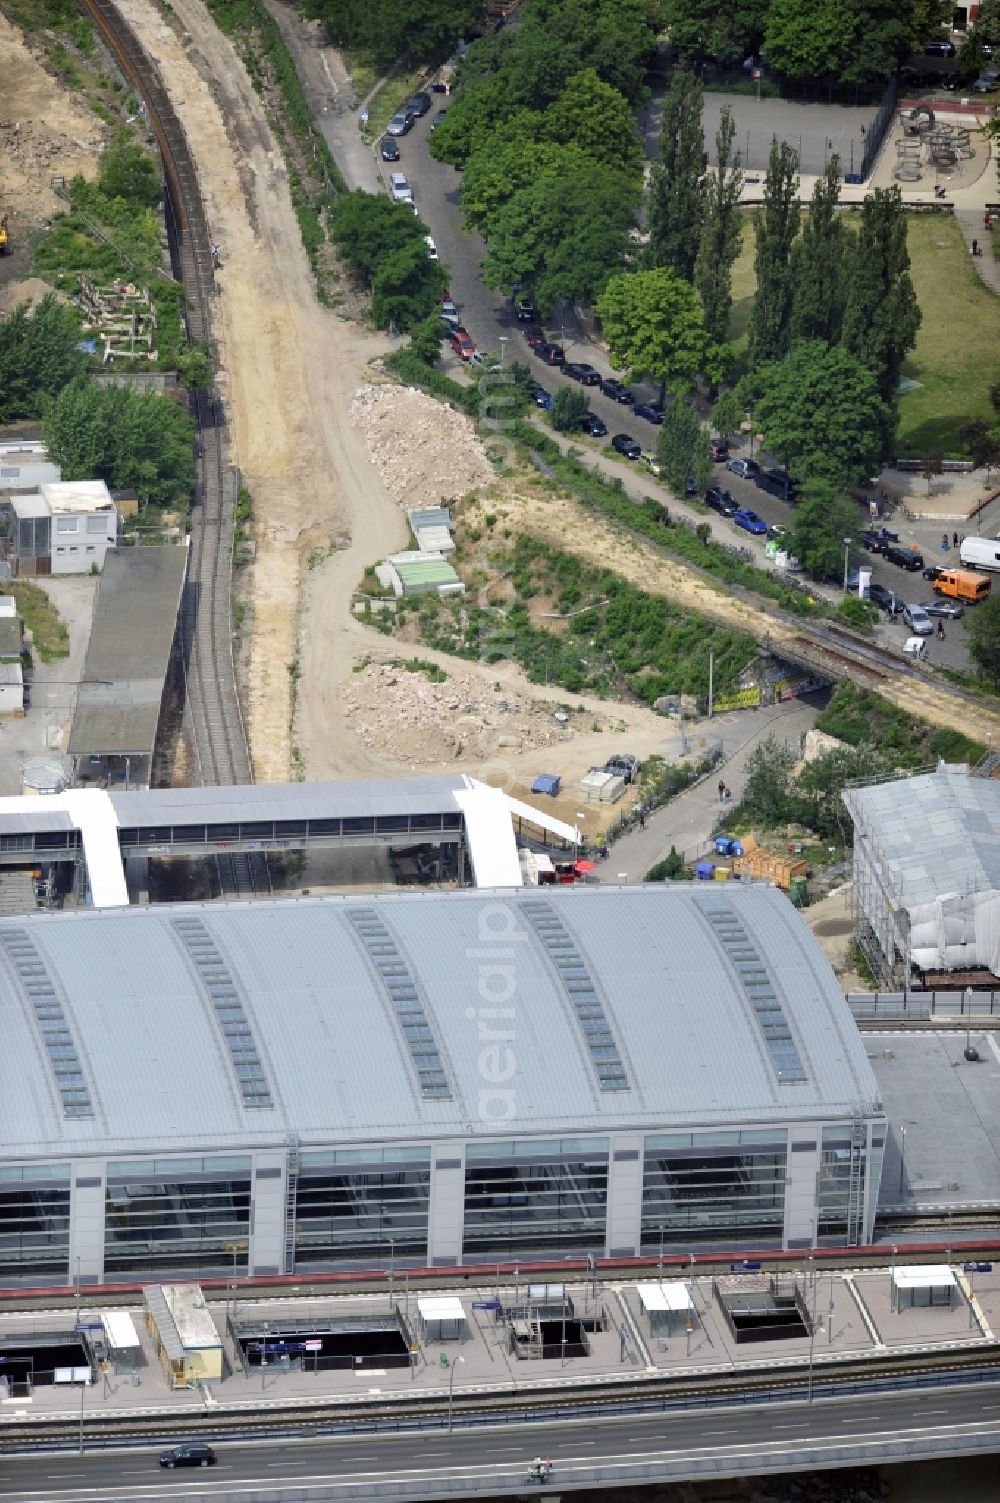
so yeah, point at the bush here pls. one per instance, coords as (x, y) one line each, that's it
(670, 869)
(569, 408)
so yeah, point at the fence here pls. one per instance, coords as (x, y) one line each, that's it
(971, 1003)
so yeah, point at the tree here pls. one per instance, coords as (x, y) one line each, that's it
(406, 287)
(682, 445)
(595, 117)
(123, 437)
(983, 627)
(480, 107)
(670, 869)
(931, 466)
(721, 231)
(881, 318)
(654, 325)
(384, 30)
(676, 190)
(564, 234)
(504, 164)
(822, 520)
(39, 355)
(727, 414)
(819, 264)
(768, 778)
(843, 41)
(700, 29)
(569, 408)
(775, 230)
(819, 409)
(195, 367)
(129, 172)
(367, 227)
(425, 339)
(984, 444)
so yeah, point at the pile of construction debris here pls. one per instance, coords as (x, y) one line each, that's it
(427, 453)
(403, 713)
(35, 147)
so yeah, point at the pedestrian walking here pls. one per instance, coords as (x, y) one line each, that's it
(940, 631)
(944, 542)
(642, 819)
(722, 791)
(954, 540)
(975, 247)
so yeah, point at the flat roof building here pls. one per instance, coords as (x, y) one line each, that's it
(432, 1078)
(67, 527)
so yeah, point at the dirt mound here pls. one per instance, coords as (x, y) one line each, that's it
(426, 453)
(404, 714)
(31, 290)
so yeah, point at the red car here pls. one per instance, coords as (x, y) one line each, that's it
(462, 344)
(535, 336)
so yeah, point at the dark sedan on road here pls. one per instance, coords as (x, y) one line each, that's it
(776, 483)
(390, 149)
(535, 335)
(904, 558)
(651, 411)
(617, 391)
(527, 312)
(720, 500)
(749, 520)
(594, 425)
(419, 104)
(579, 370)
(950, 609)
(885, 599)
(624, 443)
(542, 397)
(551, 354)
(439, 119)
(719, 452)
(400, 124)
(192, 1453)
(745, 468)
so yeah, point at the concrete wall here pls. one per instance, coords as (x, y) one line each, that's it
(81, 540)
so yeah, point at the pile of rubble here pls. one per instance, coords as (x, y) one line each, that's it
(402, 713)
(35, 147)
(426, 453)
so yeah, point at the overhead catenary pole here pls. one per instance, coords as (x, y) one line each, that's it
(711, 680)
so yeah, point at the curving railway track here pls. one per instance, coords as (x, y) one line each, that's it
(213, 715)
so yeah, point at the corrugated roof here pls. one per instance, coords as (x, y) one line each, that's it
(332, 1051)
(935, 834)
(149, 806)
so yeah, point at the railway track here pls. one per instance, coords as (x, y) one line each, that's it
(213, 716)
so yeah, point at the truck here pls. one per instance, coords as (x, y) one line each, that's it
(961, 584)
(980, 553)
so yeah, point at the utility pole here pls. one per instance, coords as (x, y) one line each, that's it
(711, 680)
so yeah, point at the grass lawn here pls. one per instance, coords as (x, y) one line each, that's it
(364, 74)
(955, 359)
(49, 636)
(393, 93)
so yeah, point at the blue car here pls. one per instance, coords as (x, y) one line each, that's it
(749, 520)
(651, 411)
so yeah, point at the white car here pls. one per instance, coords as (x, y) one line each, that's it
(399, 189)
(432, 249)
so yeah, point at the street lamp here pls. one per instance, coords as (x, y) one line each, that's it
(902, 1160)
(451, 1389)
(847, 549)
(504, 339)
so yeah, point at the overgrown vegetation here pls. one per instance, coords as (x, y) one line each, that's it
(612, 640)
(384, 30)
(416, 372)
(123, 437)
(39, 354)
(864, 719)
(384, 244)
(49, 636)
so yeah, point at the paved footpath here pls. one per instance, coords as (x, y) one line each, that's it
(689, 820)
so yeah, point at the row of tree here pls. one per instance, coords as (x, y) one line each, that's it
(384, 30)
(385, 246)
(553, 163)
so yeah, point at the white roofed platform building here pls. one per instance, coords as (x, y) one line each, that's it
(425, 1079)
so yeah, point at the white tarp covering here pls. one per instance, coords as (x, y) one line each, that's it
(492, 847)
(119, 1330)
(444, 1307)
(657, 1297)
(924, 1276)
(957, 932)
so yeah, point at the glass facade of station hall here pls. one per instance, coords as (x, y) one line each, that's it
(714, 1189)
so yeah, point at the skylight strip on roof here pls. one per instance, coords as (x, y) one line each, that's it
(224, 996)
(581, 992)
(53, 1026)
(758, 989)
(401, 991)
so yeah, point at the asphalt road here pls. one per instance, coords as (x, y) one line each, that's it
(740, 1436)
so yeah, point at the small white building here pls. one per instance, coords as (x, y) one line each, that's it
(66, 527)
(11, 689)
(25, 466)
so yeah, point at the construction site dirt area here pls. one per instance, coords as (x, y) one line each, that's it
(46, 132)
(426, 453)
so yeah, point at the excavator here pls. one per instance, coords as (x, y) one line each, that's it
(4, 237)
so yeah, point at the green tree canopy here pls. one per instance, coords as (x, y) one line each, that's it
(385, 30)
(569, 408)
(819, 264)
(700, 29)
(847, 41)
(38, 356)
(129, 172)
(721, 232)
(123, 437)
(406, 286)
(367, 227)
(682, 446)
(474, 115)
(881, 318)
(819, 409)
(822, 520)
(654, 325)
(677, 188)
(775, 229)
(595, 117)
(983, 627)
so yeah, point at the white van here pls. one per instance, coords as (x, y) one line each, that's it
(980, 553)
(915, 647)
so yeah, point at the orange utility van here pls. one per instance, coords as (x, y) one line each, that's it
(962, 584)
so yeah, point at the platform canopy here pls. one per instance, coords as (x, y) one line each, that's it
(442, 1307)
(119, 1330)
(924, 1276)
(662, 1297)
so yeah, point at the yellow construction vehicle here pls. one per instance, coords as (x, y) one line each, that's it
(4, 237)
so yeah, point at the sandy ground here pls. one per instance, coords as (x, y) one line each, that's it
(831, 922)
(290, 368)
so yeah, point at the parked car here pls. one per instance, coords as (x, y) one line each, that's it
(749, 520)
(651, 411)
(986, 82)
(432, 249)
(933, 571)
(191, 1453)
(552, 354)
(542, 397)
(399, 124)
(889, 602)
(719, 452)
(917, 619)
(617, 391)
(624, 443)
(399, 189)
(904, 558)
(579, 370)
(527, 312)
(745, 468)
(776, 483)
(594, 425)
(872, 542)
(950, 609)
(652, 464)
(721, 501)
(939, 47)
(438, 119)
(390, 149)
(419, 104)
(462, 344)
(535, 336)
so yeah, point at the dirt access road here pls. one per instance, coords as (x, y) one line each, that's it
(289, 369)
